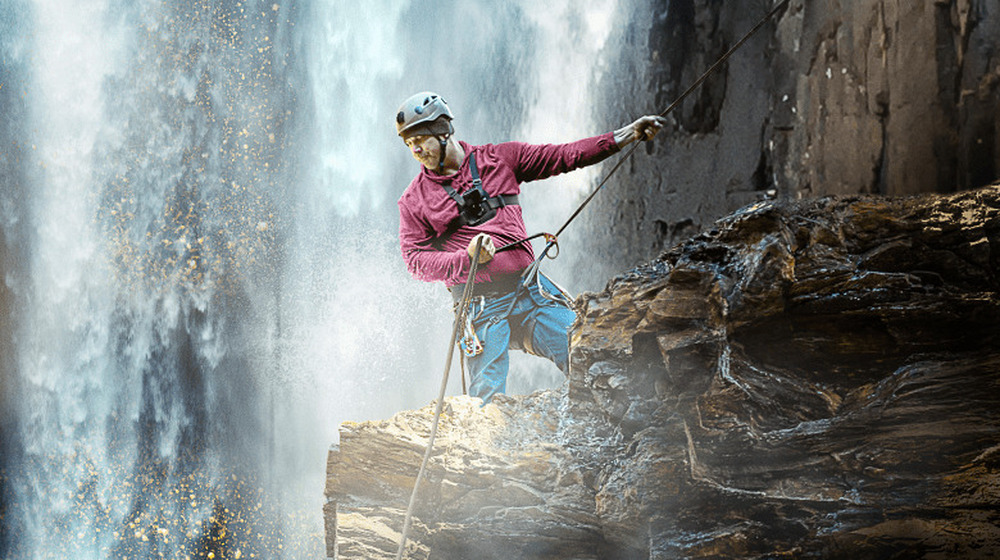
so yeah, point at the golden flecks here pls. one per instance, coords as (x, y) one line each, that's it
(191, 201)
(177, 519)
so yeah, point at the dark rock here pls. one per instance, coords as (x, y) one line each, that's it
(808, 380)
(828, 98)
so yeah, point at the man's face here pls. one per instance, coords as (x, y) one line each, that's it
(425, 149)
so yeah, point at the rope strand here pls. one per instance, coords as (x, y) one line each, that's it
(459, 320)
(665, 112)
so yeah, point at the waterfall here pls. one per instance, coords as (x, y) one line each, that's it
(198, 248)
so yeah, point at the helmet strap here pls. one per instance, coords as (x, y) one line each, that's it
(443, 140)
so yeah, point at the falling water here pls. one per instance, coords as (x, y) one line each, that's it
(201, 276)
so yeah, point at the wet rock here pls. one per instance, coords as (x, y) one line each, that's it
(845, 379)
(809, 379)
(828, 98)
(504, 481)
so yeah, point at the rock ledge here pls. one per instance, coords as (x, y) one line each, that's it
(809, 379)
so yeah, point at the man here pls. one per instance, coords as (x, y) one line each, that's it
(447, 210)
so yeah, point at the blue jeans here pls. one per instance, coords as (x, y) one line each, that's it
(535, 324)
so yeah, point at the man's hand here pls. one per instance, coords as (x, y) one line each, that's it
(644, 128)
(486, 251)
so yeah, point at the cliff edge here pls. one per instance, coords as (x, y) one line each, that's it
(807, 379)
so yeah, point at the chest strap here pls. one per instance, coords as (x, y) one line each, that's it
(475, 206)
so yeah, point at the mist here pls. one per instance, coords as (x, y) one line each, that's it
(201, 272)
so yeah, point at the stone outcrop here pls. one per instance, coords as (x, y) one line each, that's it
(504, 481)
(807, 379)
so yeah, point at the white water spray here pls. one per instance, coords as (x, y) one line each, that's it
(64, 335)
(214, 281)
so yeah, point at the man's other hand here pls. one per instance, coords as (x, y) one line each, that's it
(486, 251)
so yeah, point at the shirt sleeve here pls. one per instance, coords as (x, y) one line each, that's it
(425, 261)
(539, 161)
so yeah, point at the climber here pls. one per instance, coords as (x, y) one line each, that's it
(464, 194)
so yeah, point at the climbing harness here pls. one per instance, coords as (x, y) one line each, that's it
(532, 274)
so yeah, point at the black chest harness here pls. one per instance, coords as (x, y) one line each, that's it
(475, 206)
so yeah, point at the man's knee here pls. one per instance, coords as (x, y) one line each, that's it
(550, 334)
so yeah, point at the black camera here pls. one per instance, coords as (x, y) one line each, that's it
(476, 207)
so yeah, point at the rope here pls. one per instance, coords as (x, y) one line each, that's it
(459, 321)
(461, 363)
(669, 109)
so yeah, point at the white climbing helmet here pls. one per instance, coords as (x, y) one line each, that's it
(424, 113)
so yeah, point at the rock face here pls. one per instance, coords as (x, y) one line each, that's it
(504, 481)
(808, 380)
(828, 98)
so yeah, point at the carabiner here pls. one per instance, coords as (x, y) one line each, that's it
(470, 343)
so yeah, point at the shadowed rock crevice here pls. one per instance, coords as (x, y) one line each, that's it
(683, 42)
(809, 379)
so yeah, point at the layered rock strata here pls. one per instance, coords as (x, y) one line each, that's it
(812, 379)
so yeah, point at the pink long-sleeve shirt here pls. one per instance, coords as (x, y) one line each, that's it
(426, 210)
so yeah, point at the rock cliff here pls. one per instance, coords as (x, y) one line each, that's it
(807, 380)
(829, 98)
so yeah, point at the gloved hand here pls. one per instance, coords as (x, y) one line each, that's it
(486, 251)
(644, 128)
